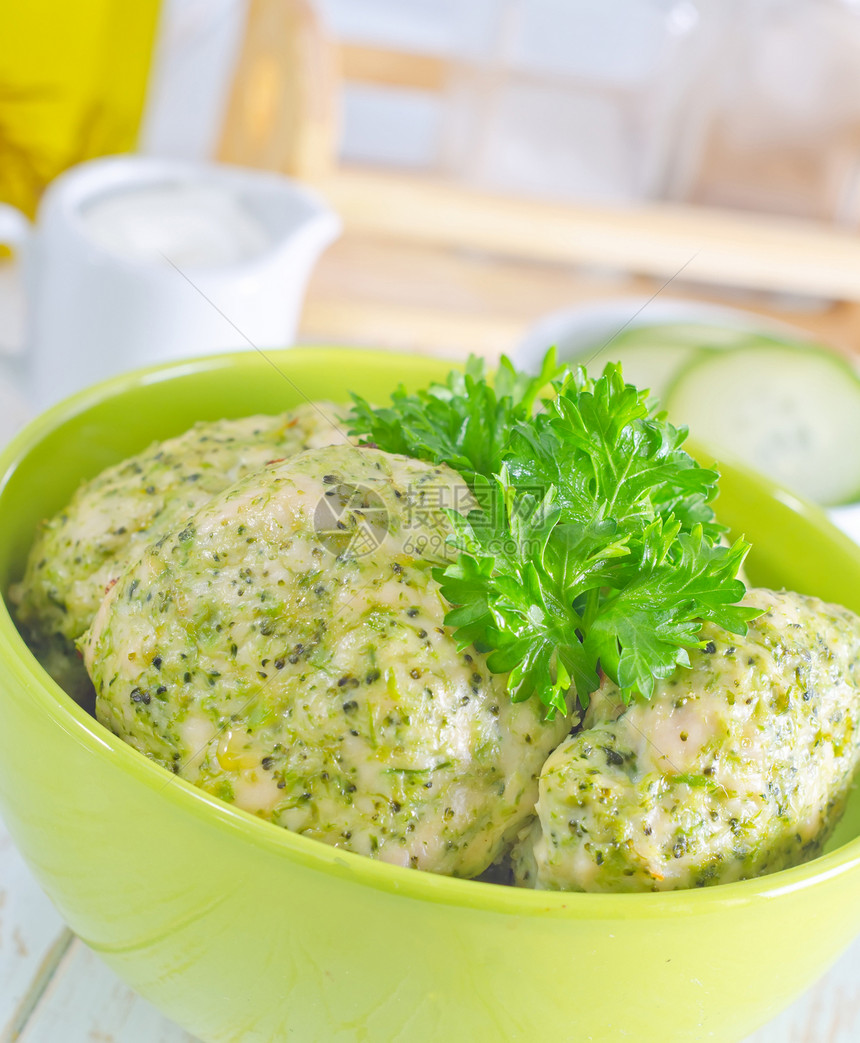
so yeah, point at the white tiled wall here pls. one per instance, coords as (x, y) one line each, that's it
(399, 128)
(618, 42)
(195, 51)
(465, 28)
(750, 103)
(559, 97)
(567, 98)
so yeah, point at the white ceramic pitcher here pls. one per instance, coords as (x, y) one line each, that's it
(98, 305)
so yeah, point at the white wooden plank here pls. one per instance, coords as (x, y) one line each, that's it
(31, 932)
(85, 1002)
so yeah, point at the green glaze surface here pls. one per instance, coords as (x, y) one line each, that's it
(242, 931)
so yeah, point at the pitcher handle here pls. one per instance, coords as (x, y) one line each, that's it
(15, 228)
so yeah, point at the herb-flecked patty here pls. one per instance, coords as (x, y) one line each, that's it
(285, 651)
(112, 518)
(736, 767)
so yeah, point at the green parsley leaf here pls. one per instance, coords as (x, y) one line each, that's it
(594, 547)
(465, 422)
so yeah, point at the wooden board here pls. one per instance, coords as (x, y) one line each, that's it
(84, 1000)
(32, 937)
(370, 291)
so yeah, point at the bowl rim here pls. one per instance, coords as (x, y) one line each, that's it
(267, 837)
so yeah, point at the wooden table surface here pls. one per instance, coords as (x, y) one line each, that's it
(55, 990)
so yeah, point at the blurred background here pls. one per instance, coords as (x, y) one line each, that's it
(737, 103)
(492, 160)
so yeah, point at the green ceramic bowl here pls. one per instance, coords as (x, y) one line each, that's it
(244, 932)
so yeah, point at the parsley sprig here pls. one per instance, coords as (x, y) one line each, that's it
(465, 422)
(594, 546)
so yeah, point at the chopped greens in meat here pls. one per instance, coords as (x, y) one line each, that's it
(112, 518)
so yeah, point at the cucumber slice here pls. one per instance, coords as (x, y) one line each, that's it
(792, 412)
(652, 356)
